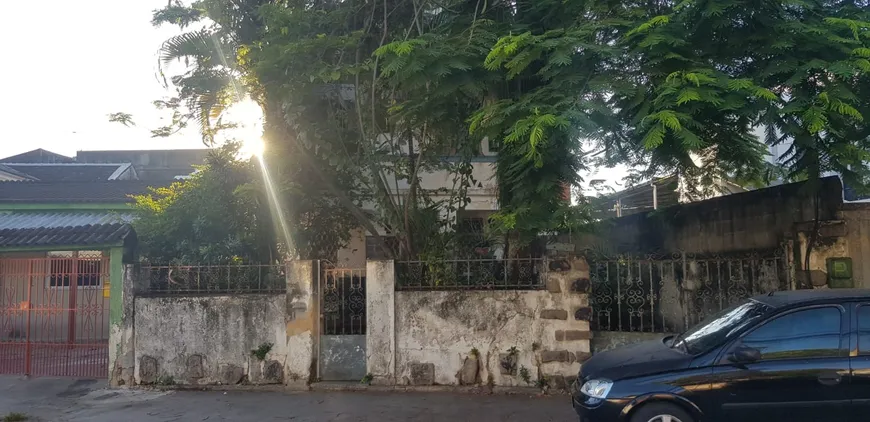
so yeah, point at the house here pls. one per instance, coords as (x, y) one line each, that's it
(151, 165)
(660, 193)
(157, 165)
(64, 234)
(62, 245)
(483, 202)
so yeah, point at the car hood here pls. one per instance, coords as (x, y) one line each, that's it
(635, 360)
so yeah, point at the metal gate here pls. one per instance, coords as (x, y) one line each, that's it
(54, 315)
(342, 346)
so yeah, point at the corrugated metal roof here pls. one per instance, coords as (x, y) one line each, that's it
(67, 172)
(63, 228)
(63, 192)
(51, 220)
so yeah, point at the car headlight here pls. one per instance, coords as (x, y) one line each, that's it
(597, 389)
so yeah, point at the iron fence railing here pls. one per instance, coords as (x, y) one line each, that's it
(670, 293)
(214, 279)
(472, 274)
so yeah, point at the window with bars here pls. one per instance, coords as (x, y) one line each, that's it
(85, 267)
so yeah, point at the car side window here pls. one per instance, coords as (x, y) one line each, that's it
(864, 330)
(810, 333)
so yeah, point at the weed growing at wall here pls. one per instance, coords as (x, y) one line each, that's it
(525, 375)
(261, 352)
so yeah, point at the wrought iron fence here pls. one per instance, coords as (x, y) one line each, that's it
(670, 293)
(472, 274)
(214, 279)
(343, 301)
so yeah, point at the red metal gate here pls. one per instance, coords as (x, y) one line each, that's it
(54, 315)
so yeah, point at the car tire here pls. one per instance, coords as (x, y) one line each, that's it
(661, 412)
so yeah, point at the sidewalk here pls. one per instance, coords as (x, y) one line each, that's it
(62, 400)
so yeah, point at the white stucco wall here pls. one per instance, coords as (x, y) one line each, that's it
(443, 327)
(381, 322)
(221, 329)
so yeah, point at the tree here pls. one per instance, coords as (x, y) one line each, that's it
(368, 95)
(221, 214)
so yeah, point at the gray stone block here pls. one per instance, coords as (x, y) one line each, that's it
(422, 373)
(581, 285)
(231, 374)
(554, 314)
(554, 356)
(572, 335)
(194, 369)
(273, 372)
(583, 314)
(582, 356)
(553, 285)
(468, 375)
(148, 370)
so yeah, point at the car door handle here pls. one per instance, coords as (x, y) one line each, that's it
(830, 379)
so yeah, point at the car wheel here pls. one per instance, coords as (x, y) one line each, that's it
(661, 412)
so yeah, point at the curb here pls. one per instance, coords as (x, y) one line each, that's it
(356, 387)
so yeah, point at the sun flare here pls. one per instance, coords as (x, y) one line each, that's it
(248, 115)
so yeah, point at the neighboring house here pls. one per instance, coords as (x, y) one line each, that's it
(157, 165)
(151, 165)
(67, 172)
(62, 245)
(64, 234)
(662, 192)
(38, 156)
(9, 174)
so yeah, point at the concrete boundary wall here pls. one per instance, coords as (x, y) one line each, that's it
(496, 338)
(212, 339)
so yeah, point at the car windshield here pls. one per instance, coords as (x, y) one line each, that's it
(720, 326)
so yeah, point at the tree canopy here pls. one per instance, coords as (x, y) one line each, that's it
(361, 97)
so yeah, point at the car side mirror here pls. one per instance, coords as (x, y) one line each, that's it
(745, 354)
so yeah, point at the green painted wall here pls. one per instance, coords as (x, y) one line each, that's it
(116, 288)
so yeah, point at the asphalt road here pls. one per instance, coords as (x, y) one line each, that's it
(64, 400)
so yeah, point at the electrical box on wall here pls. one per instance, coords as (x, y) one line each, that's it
(840, 273)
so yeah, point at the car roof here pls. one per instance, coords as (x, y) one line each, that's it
(795, 297)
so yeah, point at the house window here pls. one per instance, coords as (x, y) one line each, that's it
(375, 251)
(85, 267)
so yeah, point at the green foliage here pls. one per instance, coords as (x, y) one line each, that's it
(125, 119)
(363, 97)
(221, 214)
(367, 379)
(262, 351)
(719, 70)
(525, 375)
(15, 417)
(212, 217)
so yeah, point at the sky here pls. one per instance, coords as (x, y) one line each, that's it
(83, 60)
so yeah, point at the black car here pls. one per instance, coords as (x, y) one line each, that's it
(786, 356)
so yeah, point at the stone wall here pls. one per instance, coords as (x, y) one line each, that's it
(210, 339)
(491, 338)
